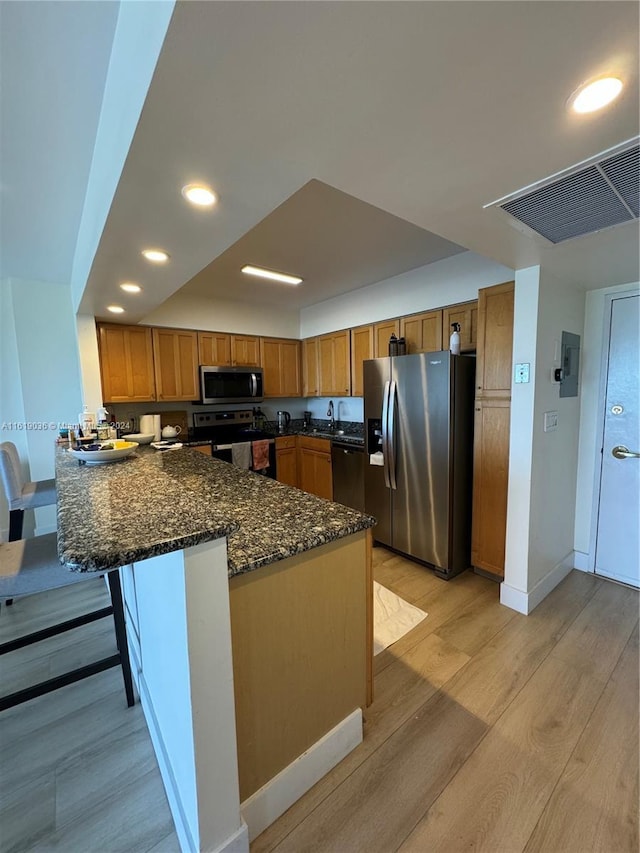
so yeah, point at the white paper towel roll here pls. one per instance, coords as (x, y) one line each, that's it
(150, 425)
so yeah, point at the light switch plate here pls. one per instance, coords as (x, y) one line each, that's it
(522, 372)
(550, 421)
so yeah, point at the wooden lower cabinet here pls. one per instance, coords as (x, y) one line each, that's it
(287, 460)
(314, 467)
(490, 483)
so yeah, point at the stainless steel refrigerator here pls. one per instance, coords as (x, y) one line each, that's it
(418, 412)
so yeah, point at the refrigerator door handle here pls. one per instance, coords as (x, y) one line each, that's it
(385, 434)
(391, 416)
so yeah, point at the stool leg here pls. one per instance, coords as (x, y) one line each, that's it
(121, 635)
(16, 519)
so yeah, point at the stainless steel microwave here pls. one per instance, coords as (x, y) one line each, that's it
(230, 384)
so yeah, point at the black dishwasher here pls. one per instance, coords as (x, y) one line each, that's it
(347, 463)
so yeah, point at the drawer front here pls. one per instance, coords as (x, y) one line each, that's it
(284, 442)
(322, 445)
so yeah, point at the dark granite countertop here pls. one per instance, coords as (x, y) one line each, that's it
(346, 432)
(154, 502)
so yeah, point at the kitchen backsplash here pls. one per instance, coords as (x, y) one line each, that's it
(345, 409)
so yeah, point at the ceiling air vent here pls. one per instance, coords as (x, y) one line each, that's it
(580, 200)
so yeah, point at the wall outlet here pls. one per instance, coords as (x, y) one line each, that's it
(550, 421)
(522, 372)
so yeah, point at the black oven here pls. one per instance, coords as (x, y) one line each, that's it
(224, 429)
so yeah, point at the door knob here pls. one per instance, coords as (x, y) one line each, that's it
(622, 452)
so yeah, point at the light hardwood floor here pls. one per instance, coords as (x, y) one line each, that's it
(489, 731)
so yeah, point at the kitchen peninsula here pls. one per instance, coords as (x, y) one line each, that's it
(244, 598)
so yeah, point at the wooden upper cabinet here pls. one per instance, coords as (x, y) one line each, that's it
(467, 315)
(310, 376)
(334, 364)
(381, 334)
(126, 363)
(175, 354)
(495, 340)
(280, 359)
(245, 351)
(361, 350)
(422, 332)
(214, 348)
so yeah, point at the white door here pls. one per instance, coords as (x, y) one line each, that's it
(618, 539)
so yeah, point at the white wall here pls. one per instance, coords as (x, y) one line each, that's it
(41, 376)
(542, 466)
(555, 453)
(195, 312)
(446, 282)
(590, 413)
(521, 431)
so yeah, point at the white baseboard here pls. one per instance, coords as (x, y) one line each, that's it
(581, 561)
(238, 843)
(261, 809)
(525, 602)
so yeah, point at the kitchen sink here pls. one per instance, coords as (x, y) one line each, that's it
(327, 432)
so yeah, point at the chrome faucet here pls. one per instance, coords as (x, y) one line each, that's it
(332, 422)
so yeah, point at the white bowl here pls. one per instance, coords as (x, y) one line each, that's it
(140, 437)
(99, 457)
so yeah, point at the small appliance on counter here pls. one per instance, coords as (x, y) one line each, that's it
(283, 420)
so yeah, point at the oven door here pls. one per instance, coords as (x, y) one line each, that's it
(230, 384)
(225, 453)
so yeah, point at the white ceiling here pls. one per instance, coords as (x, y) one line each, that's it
(426, 111)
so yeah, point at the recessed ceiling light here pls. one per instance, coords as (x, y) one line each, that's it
(199, 195)
(130, 287)
(274, 276)
(155, 255)
(593, 96)
(115, 309)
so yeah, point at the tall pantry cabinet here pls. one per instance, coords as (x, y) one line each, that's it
(491, 427)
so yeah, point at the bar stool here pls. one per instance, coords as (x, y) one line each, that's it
(21, 495)
(32, 565)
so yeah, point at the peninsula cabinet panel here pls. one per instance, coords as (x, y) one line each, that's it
(422, 332)
(334, 364)
(361, 350)
(467, 315)
(310, 373)
(381, 334)
(245, 351)
(490, 481)
(214, 348)
(175, 353)
(495, 341)
(126, 363)
(280, 359)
